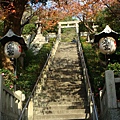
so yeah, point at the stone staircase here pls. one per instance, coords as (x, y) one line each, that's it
(63, 97)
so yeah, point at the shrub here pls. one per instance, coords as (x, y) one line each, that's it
(33, 66)
(29, 28)
(9, 78)
(115, 67)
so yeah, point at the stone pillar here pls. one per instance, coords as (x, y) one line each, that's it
(39, 28)
(110, 89)
(101, 107)
(59, 31)
(112, 113)
(88, 37)
(108, 103)
(77, 28)
(30, 110)
(19, 93)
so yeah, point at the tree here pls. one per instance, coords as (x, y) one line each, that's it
(110, 15)
(11, 14)
(57, 12)
(13, 11)
(52, 14)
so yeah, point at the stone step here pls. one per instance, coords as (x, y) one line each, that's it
(68, 71)
(66, 68)
(74, 116)
(63, 105)
(64, 87)
(72, 89)
(61, 119)
(81, 104)
(52, 81)
(70, 82)
(55, 110)
(68, 93)
(64, 78)
(59, 109)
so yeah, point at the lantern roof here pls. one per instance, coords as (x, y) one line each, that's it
(107, 29)
(11, 36)
(107, 32)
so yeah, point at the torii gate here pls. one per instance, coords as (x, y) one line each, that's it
(68, 24)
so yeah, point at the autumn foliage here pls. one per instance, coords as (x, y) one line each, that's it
(56, 11)
(61, 9)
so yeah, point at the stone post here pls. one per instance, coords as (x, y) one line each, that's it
(110, 89)
(109, 108)
(101, 107)
(77, 28)
(1, 91)
(19, 93)
(59, 31)
(30, 110)
(39, 27)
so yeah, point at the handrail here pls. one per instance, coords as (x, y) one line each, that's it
(87, 77)
(35, 86)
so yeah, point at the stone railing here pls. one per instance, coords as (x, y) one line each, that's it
(91, 101)
(10, 103)
(110, 107)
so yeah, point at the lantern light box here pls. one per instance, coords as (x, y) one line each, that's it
(12, 49)
(107, 45)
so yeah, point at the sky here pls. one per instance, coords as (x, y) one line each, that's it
(49, 4)
(36, 6)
